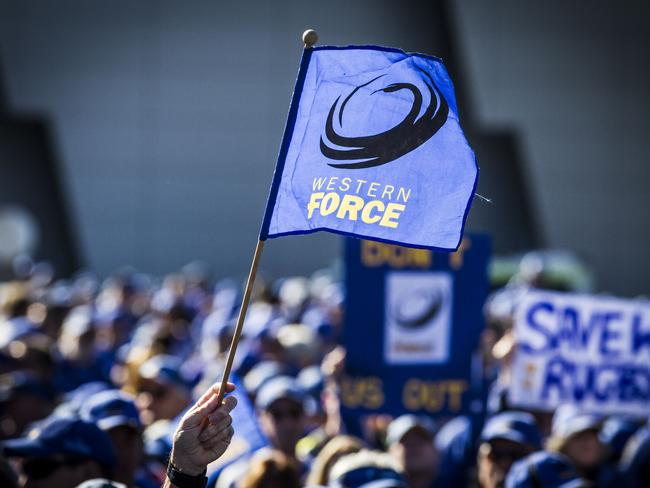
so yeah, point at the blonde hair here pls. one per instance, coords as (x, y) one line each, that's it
(332, 451)
(270, 468)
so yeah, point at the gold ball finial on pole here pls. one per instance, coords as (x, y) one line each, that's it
(309, 37)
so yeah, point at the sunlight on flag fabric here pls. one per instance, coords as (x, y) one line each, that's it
(373, 148)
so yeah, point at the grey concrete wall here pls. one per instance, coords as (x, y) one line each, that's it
(573, 77)
(169, 116)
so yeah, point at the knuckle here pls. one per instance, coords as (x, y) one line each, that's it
(217, 417)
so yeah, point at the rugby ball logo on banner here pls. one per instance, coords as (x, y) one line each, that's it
(417, 317)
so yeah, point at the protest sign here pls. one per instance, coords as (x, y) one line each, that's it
(412, 322)
(593, 351)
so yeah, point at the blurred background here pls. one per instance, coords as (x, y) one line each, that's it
(145, 133)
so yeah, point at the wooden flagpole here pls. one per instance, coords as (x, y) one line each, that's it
(309, 38)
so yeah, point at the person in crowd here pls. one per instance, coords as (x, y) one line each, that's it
(116, 414)
(62, 452)
(81, 361)
(311, 379)
(367, 469)
(410, 441)
(506, 438)
(163, 391)
(301, 345)
(260, 374)
(635, 460)
(575, 434)
(332, 451)
(615, 433)
(14, 304)
(23, 399)
(202, 436)
(456, 442)
(545, 470)
(280, 406)
(32, 354)
(271, 468)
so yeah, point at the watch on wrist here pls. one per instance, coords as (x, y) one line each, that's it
(184, 480)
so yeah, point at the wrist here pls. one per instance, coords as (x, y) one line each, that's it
(185, 466)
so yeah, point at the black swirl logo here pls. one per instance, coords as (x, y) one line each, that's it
(382, 148)
(419, 309)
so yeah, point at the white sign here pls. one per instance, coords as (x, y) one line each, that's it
(592, 351)
(418, 317)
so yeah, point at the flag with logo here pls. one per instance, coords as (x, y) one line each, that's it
(373, 148)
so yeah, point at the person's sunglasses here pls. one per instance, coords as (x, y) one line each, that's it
(40, 468)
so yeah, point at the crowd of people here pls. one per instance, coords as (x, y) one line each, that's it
(115, 383)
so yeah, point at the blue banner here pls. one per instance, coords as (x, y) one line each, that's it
(592, 351)
(412, 324)
(373, 148)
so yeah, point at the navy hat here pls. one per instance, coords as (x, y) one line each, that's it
(261, 373)
(164, 369)
(63, 435)
(366, 469)
(73, 400)
(18, 382)
(403, 424)
(312, 380)
(616, 431)
(569, 420)
(517, 427)
(278, 388)
(546, 469)
(111, 408)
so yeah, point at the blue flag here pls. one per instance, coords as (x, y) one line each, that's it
(373, 148)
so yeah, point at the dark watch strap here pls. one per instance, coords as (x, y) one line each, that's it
(183, 480)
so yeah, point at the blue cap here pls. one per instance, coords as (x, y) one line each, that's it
(403, 424)
(22, 382)
(550, 470)
(370, 477)
(278, 388)
(568, 420)
(74, 400)
(312, 380)
(63, 435)
(519, 427)
(111, 408)
(616, 431)
(261, 373)
(164, 369)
